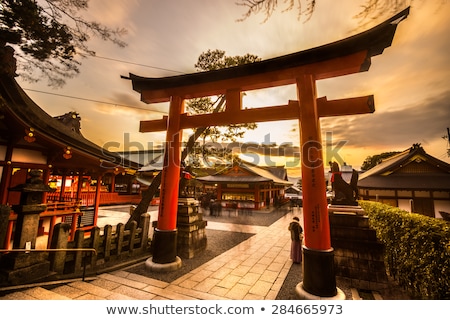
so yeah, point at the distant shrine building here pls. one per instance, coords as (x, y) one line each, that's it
(412, 180)
(248, 186)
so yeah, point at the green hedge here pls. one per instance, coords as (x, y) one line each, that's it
(417, 249)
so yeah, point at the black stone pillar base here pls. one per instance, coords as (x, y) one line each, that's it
(319, 278)
(164, 246)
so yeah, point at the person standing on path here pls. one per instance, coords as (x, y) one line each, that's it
(296, 240)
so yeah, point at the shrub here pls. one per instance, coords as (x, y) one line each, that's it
(417, 249)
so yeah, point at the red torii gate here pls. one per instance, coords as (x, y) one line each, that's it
(351, 55)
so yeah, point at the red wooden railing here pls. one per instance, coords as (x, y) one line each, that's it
(58, 211)
(88, 198)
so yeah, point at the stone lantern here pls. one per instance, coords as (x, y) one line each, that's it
(27, 266)
(28, 210)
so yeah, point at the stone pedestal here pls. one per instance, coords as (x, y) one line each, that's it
(358, 256)
(27, 266)
(191, 228)
(20, 267)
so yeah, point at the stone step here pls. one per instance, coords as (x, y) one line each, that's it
(116, 285)
(80, 290)
(36, 293)
(102, 288)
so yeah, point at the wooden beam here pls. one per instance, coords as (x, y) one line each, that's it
(154, 125)
(285, 112)
(290, 111)
(343, 107)
(325, 69)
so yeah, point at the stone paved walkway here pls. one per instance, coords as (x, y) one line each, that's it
(254, 269)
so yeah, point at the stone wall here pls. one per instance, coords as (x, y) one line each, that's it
(359, 257)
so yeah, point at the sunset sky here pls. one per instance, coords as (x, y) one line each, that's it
(410, 80)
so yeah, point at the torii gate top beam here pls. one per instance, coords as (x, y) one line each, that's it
(347, 56)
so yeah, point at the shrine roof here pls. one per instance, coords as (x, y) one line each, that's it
(255, 174)
(19, 112)
(420, 181)
(411, 169)
(323, 62)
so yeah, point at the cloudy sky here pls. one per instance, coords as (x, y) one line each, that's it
(410, 80)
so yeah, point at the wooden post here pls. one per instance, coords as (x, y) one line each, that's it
(97, 198)
(107, 232)
(51, 230)
(144, 224)
(62, 192)
(132, 237)
(78, 256)
(120, 231)
(95, 243)
(318, 264)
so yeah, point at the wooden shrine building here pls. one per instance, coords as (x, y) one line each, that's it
(83, 174)
(248, 186)
(412, 180)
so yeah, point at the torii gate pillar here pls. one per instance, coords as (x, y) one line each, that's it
(165, 236)
(318, 255)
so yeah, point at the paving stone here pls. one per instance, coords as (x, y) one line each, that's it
(134, 293)
(44, 294)
(258, 268)
(89, 296)
(261, 288)
(189, 284)
(269, 276)
(206, 285)
(69, 292)
(147, 280)
(238, 292)
(91, 289)
(240, 271)
(250, 278)
(219, 291)
(229, 281)
(201, 275)
(122, 280)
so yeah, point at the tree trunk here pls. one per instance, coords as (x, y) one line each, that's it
(148, 194)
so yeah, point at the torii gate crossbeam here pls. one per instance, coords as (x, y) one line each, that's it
(303, 69)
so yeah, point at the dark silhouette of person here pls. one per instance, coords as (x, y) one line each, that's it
(296, 240)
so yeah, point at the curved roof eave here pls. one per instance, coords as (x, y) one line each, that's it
(27, 112)
(372, 41)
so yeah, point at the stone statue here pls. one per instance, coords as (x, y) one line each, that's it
(185, 176)
(344, 193)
